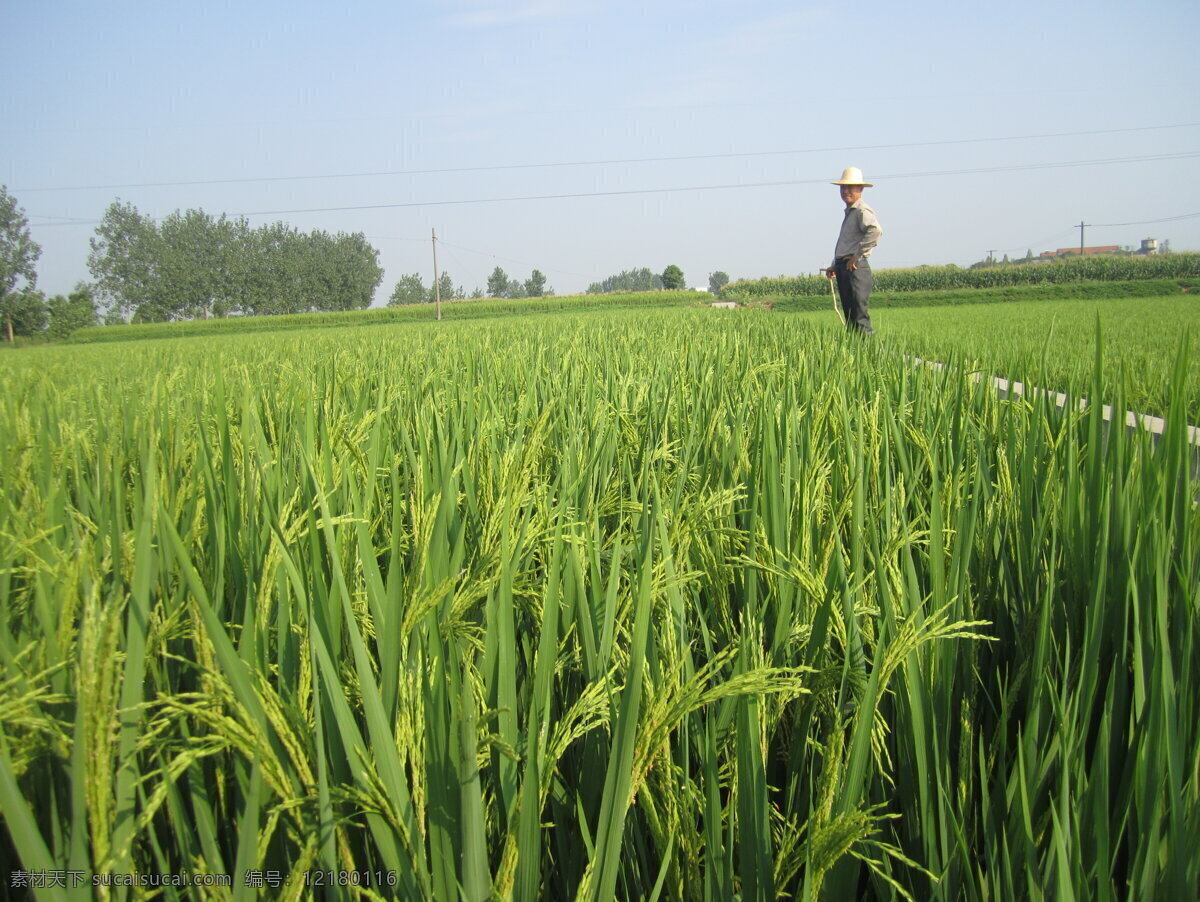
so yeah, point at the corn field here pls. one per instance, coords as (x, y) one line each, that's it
(650, 604)
(943, 278)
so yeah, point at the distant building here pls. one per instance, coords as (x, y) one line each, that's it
(1087, 251)
(1148, 247)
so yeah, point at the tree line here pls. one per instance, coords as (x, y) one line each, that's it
(411, 290)
(30, 312)
(23, 309)
(671, 279)
(195, 265)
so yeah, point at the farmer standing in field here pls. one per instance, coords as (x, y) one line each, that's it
(860, 233)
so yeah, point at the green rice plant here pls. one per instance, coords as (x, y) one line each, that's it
(667, 603)
(1054, 346)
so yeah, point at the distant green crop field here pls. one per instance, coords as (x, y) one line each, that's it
(958, 297)
(631, 604)
(484, 308)
(944, 278)
(1053, 344)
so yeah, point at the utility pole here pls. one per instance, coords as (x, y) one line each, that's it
(991, 258)
(437, 289)
(1081, 227)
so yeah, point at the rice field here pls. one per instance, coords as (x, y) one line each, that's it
(1055, 344)
(644, 604)
(481, 308)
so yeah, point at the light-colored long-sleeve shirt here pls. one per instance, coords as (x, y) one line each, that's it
(860, 232)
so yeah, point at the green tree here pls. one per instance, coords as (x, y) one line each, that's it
(341, 272)
(75, 311)
(270, 270)
(630, 280)
(197, 265)
(357, 271)
(124, 261)
(717, 280)
(497, 284)
(409, 290)
(535, 285)
(672, 278)
(25, 313)
(445, 287)
(19, 254)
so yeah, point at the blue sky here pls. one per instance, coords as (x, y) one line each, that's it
(959, 114)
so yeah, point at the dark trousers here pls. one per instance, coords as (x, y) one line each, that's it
(854, 287)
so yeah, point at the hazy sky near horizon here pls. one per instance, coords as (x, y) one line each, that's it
(584, 138)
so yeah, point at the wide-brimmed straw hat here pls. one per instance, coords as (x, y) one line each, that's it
(852, 175)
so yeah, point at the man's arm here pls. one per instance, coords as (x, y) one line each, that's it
(871, 233)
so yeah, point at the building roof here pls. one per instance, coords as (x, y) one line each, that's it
(1104, 249)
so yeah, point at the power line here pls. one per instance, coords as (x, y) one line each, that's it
(1029, 245)
(610, 162)
(62, 220)
(942, 173)
(448, 246)
(1105, 225)
(1090, 225)
(513, 260)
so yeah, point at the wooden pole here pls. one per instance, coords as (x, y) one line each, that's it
(437, 289)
